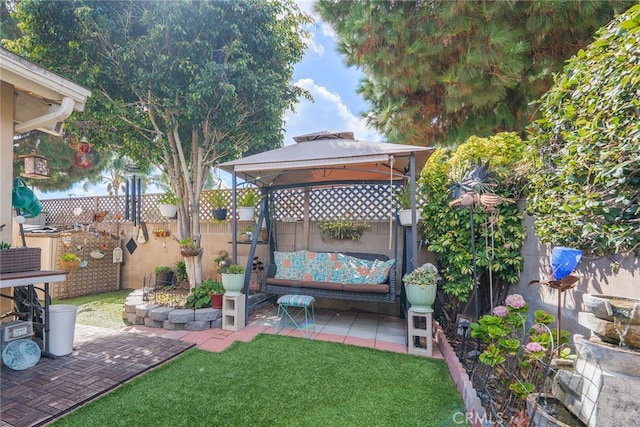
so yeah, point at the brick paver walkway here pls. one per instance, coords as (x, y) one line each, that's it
(102, 359)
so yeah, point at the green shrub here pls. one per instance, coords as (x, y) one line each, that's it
(200, 296)
(585, 154)
(181, 271)
(447, 230)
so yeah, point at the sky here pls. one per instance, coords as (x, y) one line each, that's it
(336, 105)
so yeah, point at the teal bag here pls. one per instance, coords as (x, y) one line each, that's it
(23, 198)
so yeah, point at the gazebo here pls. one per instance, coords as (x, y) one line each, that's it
(328, 158)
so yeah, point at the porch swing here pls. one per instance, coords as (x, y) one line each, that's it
(329, 159)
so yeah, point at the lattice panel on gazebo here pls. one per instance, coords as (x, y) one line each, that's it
(359, 202)
(289, 204)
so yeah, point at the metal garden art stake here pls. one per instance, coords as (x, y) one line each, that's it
(563, 262)
(476, 189)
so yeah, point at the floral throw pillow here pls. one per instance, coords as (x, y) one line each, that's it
(319, 266)
(289, 265)
(379, 272)
(350, 269)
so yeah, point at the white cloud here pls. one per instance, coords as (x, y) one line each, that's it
(312, 46)
(327, 112)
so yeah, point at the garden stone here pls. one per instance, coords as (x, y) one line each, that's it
(152, 323)
(143, 309)
(181, 315)
(170, 326)
(130, 306)
(217, 323)
(197, 325)
(160, 313)
(135, 320)
(208, 314)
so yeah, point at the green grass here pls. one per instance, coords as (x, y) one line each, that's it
(282, 381)
(104, 310)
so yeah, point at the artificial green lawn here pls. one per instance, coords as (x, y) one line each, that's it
(282, 381)
(104, 310)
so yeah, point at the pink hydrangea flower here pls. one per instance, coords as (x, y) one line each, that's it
(540, 329)
(515, 301)
(501, 311)
(534, 347)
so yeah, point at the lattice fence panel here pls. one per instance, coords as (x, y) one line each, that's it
(360, 202)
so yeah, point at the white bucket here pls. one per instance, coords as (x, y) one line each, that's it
(62, 327)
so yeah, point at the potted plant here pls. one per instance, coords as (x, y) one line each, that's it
(343, 229)
(420, 286)
(233, 279)
(217, 291)
(188, 247)
(160, 232)
(168, 205)
(403, 198)
(247, 202)
(200, 296)
(164, 276)
(218, 202)
(69, 261)
(246, 235)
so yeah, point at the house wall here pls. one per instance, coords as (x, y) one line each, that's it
(597, 275)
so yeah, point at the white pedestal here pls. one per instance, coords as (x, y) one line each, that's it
(233, 312)
(420, 333)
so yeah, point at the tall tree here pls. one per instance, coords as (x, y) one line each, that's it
(177, 84)
(441, 71)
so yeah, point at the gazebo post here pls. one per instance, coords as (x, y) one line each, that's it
(414, 222)
(234, 222)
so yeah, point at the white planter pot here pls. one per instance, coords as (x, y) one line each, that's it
(246, 213)
(405, 217)
(421, 299)
(168, 211)
(233, 284)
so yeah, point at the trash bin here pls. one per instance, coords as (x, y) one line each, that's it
(62, 327)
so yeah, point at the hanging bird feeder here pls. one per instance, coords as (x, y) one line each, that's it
(35, 165)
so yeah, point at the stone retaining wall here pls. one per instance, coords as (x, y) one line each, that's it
(138, 312)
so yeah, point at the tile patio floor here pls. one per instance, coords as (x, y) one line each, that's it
(362, 329)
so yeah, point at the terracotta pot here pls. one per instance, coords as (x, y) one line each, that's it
(216, 300)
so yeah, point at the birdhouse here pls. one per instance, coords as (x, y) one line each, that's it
(35, 166)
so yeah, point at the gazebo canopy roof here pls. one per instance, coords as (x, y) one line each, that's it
(329, 157)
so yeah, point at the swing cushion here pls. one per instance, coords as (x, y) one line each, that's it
(379, 272)
(347, 276)
(290, 265)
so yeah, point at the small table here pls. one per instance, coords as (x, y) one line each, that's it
(291, 307)
(29, 279)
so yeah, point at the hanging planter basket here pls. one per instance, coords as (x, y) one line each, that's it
(188, 251)
(70, 265)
